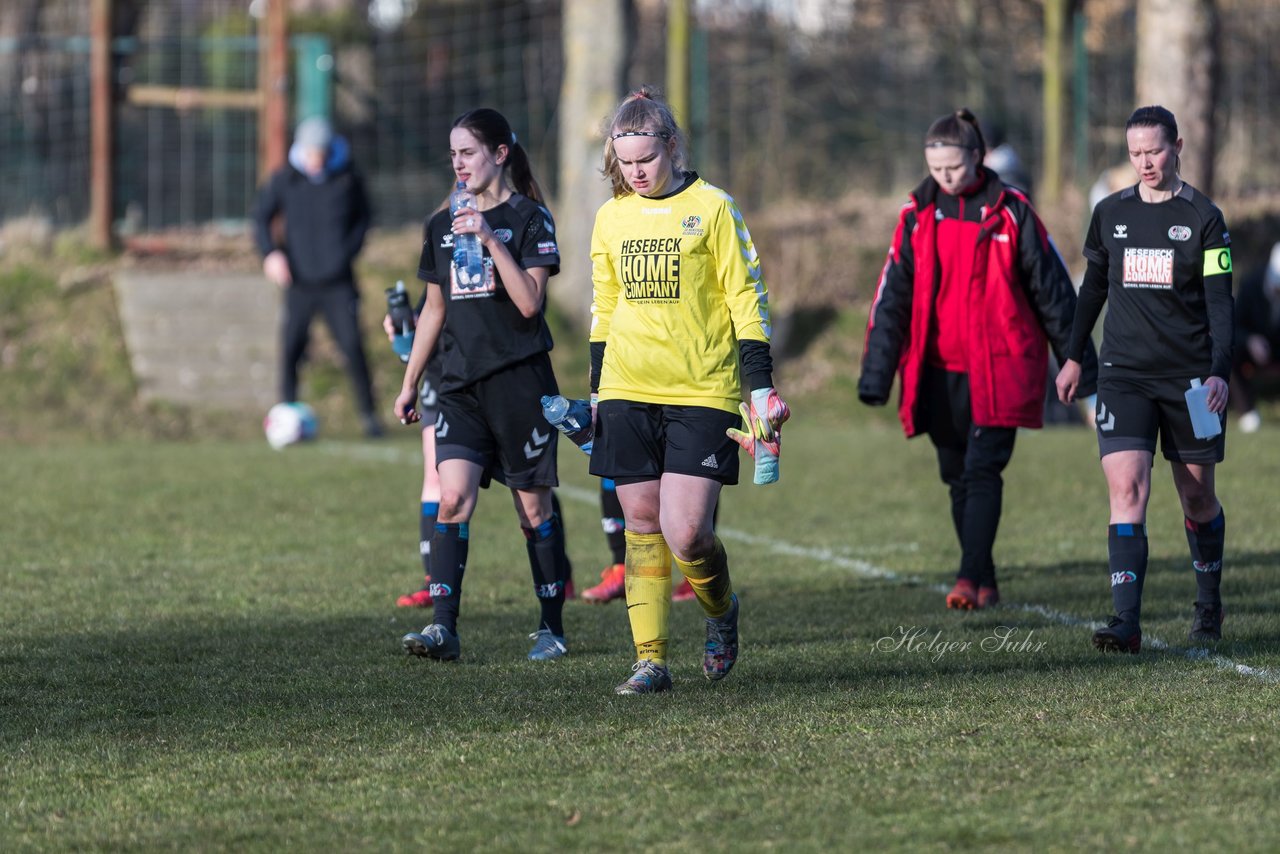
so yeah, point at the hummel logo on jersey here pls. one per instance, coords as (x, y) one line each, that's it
(710, 462)
(1122, 231)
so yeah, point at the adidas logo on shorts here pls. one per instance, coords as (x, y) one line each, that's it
(710, 462)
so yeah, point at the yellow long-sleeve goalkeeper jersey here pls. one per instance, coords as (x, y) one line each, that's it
(677, 284)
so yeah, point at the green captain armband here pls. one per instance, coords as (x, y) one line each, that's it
(1217, 261)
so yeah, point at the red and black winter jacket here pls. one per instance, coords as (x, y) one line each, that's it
(1019, 298)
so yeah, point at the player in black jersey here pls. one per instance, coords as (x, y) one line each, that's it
(495, 367)
(1159, 254)
(428, 412)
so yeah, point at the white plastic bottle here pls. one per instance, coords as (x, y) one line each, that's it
(1204, 424)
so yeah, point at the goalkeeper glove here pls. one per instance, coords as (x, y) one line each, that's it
(762, 438)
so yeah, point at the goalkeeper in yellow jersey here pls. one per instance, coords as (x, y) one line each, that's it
(680, 319)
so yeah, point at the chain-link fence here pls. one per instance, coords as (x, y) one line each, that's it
(781, 108)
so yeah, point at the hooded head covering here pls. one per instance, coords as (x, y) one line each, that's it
(315, 132)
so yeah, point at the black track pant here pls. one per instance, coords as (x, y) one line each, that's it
(970, 462)
(340, 304)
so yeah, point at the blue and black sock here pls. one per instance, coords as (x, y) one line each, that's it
(449, 562)
(567, 578)
(545, 545)
(426, 531)
(612, 522)
(1206, 540)
(1127, 556)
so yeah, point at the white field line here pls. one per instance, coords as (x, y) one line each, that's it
(862, 568)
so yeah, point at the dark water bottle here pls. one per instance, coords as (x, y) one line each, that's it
(570, 417)
(402, 319)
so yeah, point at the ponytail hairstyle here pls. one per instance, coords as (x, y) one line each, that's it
(959, 129)
(1154, 116)
(492, 129)
(642, 113)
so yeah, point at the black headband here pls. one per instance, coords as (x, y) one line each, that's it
(658, 134)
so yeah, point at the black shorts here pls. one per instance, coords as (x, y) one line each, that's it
(429, 395)
(1132, 412)
(636, 442)
(497, 424)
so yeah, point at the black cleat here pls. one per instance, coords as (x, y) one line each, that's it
(1118, 636)
(1207, 625)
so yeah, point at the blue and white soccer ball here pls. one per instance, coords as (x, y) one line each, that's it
(289, 423)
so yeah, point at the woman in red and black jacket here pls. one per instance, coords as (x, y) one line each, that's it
(971, 293)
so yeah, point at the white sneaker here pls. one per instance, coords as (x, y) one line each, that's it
(1250, 421)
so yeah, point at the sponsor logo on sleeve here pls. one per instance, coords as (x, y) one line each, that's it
(547, 247)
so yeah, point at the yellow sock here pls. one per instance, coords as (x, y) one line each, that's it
(649, 594)
(709, 579)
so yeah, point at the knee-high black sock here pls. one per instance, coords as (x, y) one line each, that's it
(1206, 540)
(1127, 550)
(612, 522)
(567, 577)
(545, 545)
(426, 531)
(449, 562)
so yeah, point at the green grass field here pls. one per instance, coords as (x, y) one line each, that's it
(200, 651)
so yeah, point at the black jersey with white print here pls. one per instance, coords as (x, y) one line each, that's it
(484, 330)
(1164, 271)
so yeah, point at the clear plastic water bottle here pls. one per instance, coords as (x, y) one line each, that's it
(468, 254)
(570, 417)
(402, 319)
